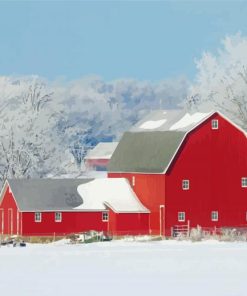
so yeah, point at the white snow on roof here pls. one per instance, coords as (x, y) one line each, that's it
(189, 119)
(152, 124)
(102, 151)
(116, 193)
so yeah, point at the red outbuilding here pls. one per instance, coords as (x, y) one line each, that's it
(97, 159)
(44, 207)
(187, 169)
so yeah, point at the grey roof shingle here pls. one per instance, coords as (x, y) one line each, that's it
(145, 152)
(46, 194)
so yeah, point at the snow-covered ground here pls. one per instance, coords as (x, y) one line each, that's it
(125, 268)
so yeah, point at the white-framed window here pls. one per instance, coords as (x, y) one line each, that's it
(215, 124)
(244, 181)
(37, 217)
(133, 181)
(58, 217)
(181, 216)
(105, 216)
(186, 184)
(214, 216)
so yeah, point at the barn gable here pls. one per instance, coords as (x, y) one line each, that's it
(150, 145)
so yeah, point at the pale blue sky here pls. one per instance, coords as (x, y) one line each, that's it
(142, 40)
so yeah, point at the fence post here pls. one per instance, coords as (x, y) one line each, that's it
(188, 229)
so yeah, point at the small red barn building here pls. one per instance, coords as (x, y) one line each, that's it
(43, 207)
(186, 169)
(97, 159)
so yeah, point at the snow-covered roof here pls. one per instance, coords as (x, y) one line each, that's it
(169, 120)
(103, 150)
(115, 193)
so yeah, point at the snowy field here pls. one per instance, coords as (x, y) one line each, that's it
(125, 268)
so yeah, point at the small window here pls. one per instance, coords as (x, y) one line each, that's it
(105, 216)
(37, 217)
(181, 216)
(133, 181)
(214, 216)
(215, 124)
(58, 217)
(244, 181)
(186, 184)
(246, 216)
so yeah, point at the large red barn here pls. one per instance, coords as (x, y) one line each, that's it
(187, 169)
(45, 207)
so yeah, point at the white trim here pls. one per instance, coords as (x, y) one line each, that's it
(133, 181)
(243, 180)
(105, 219)
(215, 124)
(10, 221)
(216, 216)
(60, 217)
(162, 219)
(2, 220)
(123, 212)
(37, 220)
(3, 191)
(181, 219)
(185, 184)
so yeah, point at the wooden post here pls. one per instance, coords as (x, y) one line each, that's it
(188, 228)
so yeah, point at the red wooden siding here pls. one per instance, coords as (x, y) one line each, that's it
(10, 217)
(128, 223)
(150, 189)
(214, 161)
(72, 222)
(96, 163)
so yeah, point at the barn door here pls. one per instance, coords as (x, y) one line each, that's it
(1, 221)
(10, 221)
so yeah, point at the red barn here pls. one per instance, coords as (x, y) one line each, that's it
(98, 158)
(186, 169)
(37, 207)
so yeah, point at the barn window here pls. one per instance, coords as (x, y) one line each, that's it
(58, 217)
(181, 216)
(37, 217)
(215, 124)
(244, 181)
(133, 181)
(214, 216)
(105, 216)
(246, 216)
(186, 184)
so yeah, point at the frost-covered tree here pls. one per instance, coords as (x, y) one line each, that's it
(26, 136)
(46, 127)
(221, 81)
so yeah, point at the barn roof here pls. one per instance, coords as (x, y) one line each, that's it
(103, 150)
(46, 194)
(148, 152)
(116, 193)
(34, 195)
(151, 144)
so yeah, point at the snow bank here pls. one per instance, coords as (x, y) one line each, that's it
(152, 124)
(115, 193)
(189, 119)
